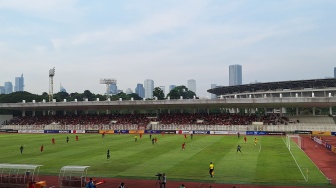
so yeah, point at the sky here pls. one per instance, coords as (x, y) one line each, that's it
(168, 41)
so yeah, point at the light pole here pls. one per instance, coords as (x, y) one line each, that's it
(108, 82)
(51, 84)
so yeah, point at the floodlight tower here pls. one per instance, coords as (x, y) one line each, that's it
(51, 84)
(108, 82)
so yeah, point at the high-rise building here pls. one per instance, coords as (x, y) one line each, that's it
(149, 88)
(129, 91)
(192, 85)
(8, 87)
(163, 88)
(19, 83)
(334, 72)
(2, 90)
(213, 96)
(140, 90)
(235, 74)
(113, 89)
(171, 87)
(62, 89)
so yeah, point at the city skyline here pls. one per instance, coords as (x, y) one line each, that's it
(19, 86)
(8, 86)
(169, 42)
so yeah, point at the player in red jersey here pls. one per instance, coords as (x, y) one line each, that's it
(183, 146)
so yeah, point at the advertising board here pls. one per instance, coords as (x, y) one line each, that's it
(91, 131)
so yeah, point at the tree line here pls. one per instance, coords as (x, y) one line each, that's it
(16, 97)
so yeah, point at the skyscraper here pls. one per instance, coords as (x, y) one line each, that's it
(19, 83)
(8, 87)
(163, 88)
(171, 87)
(235, 74)
(191, 85)
(129, 91)
(140, 90)
(149, 88)
(2, 90)
(113, 89)
(213, 96)
(62, 89)
(334, 72)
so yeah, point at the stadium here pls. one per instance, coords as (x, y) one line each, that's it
(292, 120)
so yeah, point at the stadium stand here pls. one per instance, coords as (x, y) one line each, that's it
(175, 121)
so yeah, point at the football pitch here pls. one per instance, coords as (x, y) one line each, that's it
(267, 163)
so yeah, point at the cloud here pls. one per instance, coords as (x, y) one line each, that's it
(168, 42)
(61, 11)
(38, 6)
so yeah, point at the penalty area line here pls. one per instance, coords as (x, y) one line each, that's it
(200, 150)
(260, 147)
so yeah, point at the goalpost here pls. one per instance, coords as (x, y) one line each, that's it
(291, 140)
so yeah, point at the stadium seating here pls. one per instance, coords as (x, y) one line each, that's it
(174, 121)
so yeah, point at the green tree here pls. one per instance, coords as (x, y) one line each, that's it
(158, 93)
(88, 95)
(134, 96)
(45, 96)
(77, 96)
(100, 97)
(18, 97)
(121, 95)
(179, 91)
(60, 96)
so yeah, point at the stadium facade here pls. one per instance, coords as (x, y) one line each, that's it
(317, 93)
(244, 99)
(287, 90)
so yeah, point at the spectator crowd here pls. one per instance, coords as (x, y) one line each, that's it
(144, 119)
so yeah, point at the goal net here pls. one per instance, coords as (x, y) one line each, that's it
(293, 142)
(294, 145)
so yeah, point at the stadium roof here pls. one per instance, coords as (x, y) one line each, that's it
(19, 166)
(269, 86)
(74, 168)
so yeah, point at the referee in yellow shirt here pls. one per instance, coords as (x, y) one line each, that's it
(211, 169)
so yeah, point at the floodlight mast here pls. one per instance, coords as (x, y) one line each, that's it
(51, 84)
(108, 82)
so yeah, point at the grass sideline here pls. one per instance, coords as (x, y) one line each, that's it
(267, 163)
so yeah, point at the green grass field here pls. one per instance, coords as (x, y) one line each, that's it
(267, 163)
